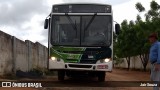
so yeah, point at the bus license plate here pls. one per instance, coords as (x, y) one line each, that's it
(90, 56)
(102, 66)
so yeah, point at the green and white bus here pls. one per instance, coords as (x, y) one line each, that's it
(80, 39)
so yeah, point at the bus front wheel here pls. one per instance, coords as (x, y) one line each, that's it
(101, 76)
(61, 75)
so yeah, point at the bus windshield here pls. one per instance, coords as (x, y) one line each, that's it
(81, 30)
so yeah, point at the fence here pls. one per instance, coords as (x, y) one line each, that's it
(135, 63)
(16, 54)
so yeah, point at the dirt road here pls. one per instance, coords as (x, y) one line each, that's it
(119, 79)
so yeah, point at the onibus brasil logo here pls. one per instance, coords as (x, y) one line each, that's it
(19, 84)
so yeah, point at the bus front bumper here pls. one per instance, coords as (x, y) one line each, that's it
(55, 65)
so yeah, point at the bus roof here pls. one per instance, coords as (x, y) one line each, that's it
(81, 8)
(81, 3)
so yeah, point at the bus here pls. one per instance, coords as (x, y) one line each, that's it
(80, 40)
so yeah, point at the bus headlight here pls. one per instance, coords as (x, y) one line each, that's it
(53, 58)
(105, 60)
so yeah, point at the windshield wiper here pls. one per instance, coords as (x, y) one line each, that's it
(85, 29)
(72, 23)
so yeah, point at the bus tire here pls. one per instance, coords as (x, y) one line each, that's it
(61, 75)
(101, 76)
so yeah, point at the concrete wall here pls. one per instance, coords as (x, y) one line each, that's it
(5, 53)
(135, 63)
(16, 54)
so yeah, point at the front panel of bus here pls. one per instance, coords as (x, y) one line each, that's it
(81, 39)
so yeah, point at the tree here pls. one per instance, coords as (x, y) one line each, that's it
(144, 28)
(125, 41)
(142, 46)
(132, 41)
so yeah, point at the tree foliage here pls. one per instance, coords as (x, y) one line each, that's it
(139, 7)
(133, 39)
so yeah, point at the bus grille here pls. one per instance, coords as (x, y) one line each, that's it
(80, 66)
(88, 61)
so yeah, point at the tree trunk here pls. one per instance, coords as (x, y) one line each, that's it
(144, 59)
(128, 62)
(144, 67)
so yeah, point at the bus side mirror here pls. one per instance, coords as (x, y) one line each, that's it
(117, 29)
(46, 24)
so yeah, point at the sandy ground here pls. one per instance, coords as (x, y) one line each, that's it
(121, 76)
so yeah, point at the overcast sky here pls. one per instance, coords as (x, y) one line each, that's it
(24, 18)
